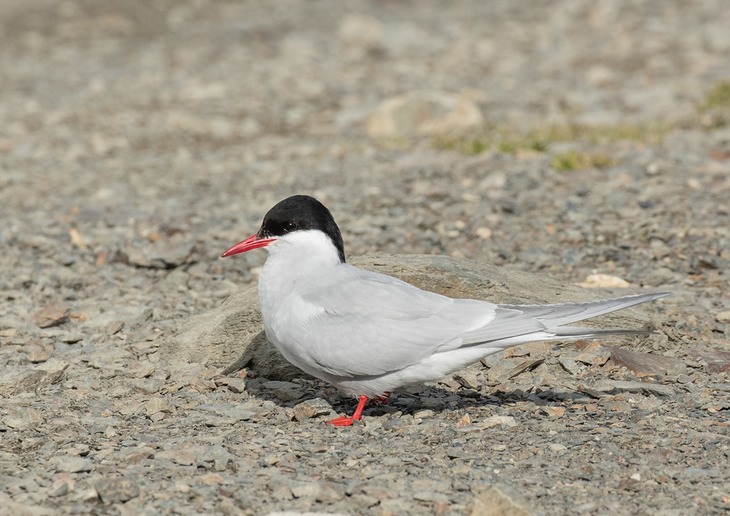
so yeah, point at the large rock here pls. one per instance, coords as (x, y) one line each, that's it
(425, 113)
(232, 335)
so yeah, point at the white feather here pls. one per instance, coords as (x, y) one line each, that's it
(368, 333)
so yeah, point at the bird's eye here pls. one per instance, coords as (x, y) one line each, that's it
(289, 226)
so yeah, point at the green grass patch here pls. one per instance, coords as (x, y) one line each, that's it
(511, 141)
(718, 97)
(576, 160)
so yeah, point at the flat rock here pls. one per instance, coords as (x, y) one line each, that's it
(500, 421)
(116, 490)
(646, 364)
(621, 386)
(716, 360)
(312, 408)
(499, 501)
(51, 315)
(72, 464)
(603, 281)
(285, 391)
(593, 354)
(424, 113)
(232, 333)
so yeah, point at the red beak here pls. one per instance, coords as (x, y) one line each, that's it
(252, 242)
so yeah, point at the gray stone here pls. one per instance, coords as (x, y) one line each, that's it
(646, 364)
(116, 490)
(499, 500)
(620, 386)
(72, 463)
(312, 408)
(285, 391)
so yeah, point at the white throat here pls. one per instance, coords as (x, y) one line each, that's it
(295, 257)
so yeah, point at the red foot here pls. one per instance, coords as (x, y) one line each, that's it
(342, 421)
(357, 416)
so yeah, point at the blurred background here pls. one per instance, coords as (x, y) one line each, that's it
(559, 135)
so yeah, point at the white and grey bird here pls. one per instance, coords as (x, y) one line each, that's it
(368, 333)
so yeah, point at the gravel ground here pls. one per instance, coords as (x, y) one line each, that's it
(140, 139)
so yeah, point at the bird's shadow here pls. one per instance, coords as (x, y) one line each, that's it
(411, 401)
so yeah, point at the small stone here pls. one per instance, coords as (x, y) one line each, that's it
(303, 489)
(499, 501)
(22, 419)
(604, 281)
(202, 384)
(501, 421)
(525, 365)
(646, 364)
(557, 447)
(141, 369)
(51, 315)
(593, 354)
(361, 31)
(71, 463)
(569, 365)
(62, 485)
(500, 370)
(37, 351)
(158, 404)
(312, 408)
(135, 455)
(237, 385)
(285, 391)
(628, 484)
(72, 338)
(553, 411)
(483, 232)
(113, 327)
(723, 317)
(717, 360)
(48, 373)
(211, 479)
(618, 386)
(463, 421)
(116, 490)
(467, 380)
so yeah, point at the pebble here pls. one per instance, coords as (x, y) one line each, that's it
(626, 386)
(647, 364)
(312, 408)
(116, 490)
(603, 281)
(285, 391)
(593, 354)
(723, 317)
(72, 464)
(499, 500)
(501, 421)
(51, 315)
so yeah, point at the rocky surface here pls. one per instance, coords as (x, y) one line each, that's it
(140, 139)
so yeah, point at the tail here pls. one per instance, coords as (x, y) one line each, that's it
(518, 324)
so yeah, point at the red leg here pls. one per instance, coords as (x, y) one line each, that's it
(357, 416)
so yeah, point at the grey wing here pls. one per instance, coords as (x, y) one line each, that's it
(373, 324)
(515, 320)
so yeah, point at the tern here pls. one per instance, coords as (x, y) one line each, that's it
(368, 333)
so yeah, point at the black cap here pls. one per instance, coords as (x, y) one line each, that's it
(301, 212)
